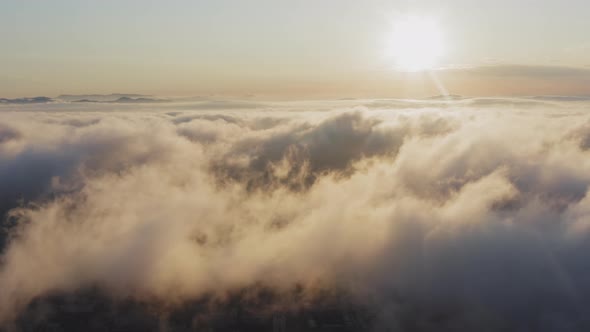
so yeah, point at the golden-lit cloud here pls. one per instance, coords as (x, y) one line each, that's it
(462, 207)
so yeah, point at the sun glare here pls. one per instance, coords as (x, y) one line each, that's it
(416, 43)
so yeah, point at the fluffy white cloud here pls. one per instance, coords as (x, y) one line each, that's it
(472, 212)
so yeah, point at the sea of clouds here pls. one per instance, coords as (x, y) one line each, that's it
(473, 210)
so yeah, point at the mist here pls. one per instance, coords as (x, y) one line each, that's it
(471, 210)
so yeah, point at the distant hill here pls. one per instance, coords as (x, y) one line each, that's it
(123, 100)
(561, 98)
(112, 98)
(138, 100)
(446, 97)
(85, 101)
(98, 97)
(33, 100)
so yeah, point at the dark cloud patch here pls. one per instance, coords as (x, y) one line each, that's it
(557, 188)
(82, 122)
(581, 135)
(304, 153)
(39, 172)
(29, 175)
(8, 134)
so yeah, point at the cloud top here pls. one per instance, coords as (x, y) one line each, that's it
(464, 212)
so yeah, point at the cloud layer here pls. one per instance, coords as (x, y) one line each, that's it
(454, 216)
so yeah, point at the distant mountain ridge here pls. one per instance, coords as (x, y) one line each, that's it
(93, 98)
(446, 97)
(99, 97)
(26, 100)
(123, 100)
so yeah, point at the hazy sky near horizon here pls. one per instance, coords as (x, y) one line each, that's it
(289, 48)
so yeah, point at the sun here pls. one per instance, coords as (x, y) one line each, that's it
(416, 43)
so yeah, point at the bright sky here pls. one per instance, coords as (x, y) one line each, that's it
(290, 48)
